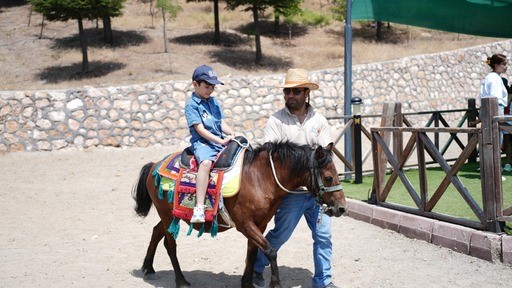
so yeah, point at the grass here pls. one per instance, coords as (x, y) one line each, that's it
(451, 203)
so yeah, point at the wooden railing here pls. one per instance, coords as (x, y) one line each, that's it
(392, 116)
(490, 214)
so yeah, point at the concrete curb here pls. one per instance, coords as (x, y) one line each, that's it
(484, 245)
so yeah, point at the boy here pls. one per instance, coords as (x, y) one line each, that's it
(204, 119)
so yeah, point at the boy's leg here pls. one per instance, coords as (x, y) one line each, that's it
(203, 173)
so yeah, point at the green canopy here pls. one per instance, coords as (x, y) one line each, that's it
(477, 17)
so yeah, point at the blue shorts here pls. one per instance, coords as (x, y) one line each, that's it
(204, 151)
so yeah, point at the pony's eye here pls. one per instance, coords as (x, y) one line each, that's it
(328, 179)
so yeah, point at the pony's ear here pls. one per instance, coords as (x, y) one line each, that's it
(329, 146)
(319, 152)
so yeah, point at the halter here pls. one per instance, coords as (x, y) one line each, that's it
(319, 188)
(315, 176)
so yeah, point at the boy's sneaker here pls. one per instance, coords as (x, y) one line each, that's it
(198, 216)
(507, 167)
(258, 280)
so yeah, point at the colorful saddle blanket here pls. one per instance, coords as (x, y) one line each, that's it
(180, 184)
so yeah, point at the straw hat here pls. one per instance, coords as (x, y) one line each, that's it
(298, 77)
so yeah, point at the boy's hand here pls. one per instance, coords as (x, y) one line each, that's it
(226, 140)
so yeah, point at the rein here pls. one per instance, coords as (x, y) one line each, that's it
(315, 177)
(277, 180)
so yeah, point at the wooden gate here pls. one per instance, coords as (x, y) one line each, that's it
(490, 214)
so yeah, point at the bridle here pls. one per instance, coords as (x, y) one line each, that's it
(317, 184)
(314, 168)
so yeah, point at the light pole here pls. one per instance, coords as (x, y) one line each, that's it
(358, 162)
(348, 81)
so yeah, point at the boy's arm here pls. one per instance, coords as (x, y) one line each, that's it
(226, 129)
(210, 136)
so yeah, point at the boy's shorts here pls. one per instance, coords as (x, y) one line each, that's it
(203, 151)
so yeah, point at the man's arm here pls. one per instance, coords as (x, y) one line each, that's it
(324, 137)
(272, 131)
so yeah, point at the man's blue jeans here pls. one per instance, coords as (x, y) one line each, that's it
(291, 209)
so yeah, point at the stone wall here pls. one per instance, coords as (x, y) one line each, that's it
(152, 113)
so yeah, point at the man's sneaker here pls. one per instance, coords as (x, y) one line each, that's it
(507, 167)
(331, 285)
(258, 280)
(198, 216)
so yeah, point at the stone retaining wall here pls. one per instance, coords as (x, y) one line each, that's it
(152, 113)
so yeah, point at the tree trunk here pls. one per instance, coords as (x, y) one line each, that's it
(108, 36)
(165, 30)
(276, 23)
(42, 26)
(257, 34)
(379, 31)
(30, 15)
(152, 13)
(83, 45)
(216, 35)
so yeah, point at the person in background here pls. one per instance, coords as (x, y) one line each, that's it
(507, 137)
(209, 134)
(492, 85)
(297, 122)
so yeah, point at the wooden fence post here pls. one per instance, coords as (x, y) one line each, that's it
(386, 121)
(490, 162)
(471, 124)
(398, 137)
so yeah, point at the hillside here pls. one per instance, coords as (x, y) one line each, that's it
(28, 63)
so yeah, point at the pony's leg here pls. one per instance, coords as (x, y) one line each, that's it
(252, 252)
(147, 267)
(255, 236)
(170, 246)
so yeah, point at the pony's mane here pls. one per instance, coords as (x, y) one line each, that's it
(297, 155)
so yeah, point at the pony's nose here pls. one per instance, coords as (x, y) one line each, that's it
(336, 211)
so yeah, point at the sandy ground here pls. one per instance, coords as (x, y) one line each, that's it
(68, 221)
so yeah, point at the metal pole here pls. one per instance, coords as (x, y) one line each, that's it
(357, 150)
(348, 83)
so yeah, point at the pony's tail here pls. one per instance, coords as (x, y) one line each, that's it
(140, 192)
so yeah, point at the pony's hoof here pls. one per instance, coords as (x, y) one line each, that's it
(182, 283)
(150, 276)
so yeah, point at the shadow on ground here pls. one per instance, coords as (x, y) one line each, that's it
(290, 277)
(245, 60)
(57, 74)
(267, 29)
(11, 3)
(392, 35)
(95, 39)
(227, 39)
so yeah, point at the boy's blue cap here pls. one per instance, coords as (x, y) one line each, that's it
(207, 74)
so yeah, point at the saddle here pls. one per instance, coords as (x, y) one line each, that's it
(224, 160)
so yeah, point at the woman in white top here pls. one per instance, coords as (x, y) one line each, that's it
(492, 85)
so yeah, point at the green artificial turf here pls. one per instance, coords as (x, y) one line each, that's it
(451, 203)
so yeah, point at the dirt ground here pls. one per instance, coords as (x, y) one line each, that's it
(68, 221)
(32, 58)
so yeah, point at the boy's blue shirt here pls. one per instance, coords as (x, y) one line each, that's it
(207, 112)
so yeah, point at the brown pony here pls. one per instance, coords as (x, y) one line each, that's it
(254, 206)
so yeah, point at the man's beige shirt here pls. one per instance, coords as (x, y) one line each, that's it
(284, 126)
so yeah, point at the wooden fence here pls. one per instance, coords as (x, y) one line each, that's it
(393, 158)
